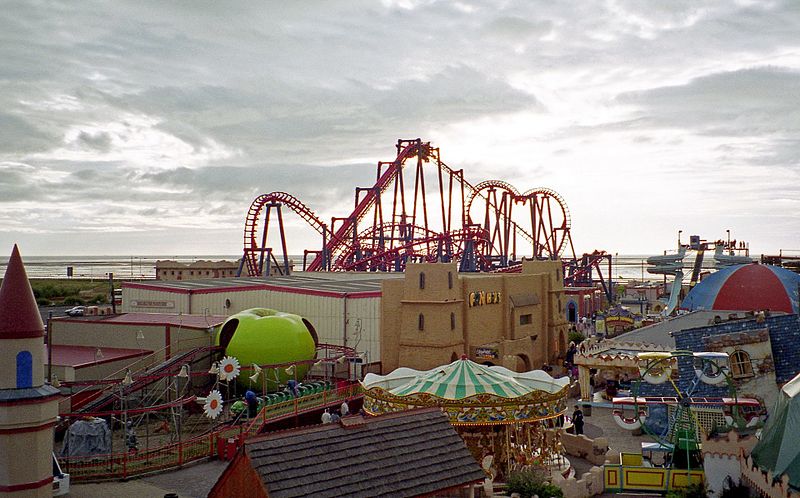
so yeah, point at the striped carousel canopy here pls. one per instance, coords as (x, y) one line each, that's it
(464, 378)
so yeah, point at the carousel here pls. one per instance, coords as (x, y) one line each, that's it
(499, 413)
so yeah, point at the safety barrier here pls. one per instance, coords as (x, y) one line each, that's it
(128, 464)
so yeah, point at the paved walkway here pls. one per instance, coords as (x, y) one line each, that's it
(193, 481)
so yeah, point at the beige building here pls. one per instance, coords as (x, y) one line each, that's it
(343, 307)
(517, 320)
(434, 315)
(174, 270)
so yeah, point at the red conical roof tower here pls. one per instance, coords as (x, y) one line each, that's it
(28, 406)
(19, 314)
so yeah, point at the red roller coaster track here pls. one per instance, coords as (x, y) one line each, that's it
(419, 209)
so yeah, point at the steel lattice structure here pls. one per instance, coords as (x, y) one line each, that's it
(420, 209)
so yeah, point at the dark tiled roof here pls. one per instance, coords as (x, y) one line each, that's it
(405, 454)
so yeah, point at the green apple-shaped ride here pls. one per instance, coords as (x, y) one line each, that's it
(268, 337)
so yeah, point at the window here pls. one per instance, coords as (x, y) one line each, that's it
(422, 280)
(526, 319)
(449, 280)
(421, 324)
(24, 369)
(452, 321)
(740, 364)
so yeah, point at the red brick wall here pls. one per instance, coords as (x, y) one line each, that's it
(239, 479)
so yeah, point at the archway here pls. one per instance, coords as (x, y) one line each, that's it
(572, 312)
(523, 363)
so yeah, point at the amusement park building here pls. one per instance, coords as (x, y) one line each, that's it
(435, 315)
(88, 348)
(343, 307)
(517, 315)
(174, 270)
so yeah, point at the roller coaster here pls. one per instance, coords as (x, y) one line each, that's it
(431, 214)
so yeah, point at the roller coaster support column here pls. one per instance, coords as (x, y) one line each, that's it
(282, 236)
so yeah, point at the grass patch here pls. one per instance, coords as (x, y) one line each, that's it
(48, 291)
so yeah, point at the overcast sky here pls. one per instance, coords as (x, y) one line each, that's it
(138, 128)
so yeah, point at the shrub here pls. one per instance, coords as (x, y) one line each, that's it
(696, 490)
(73, 301)
(530, 482)
(576, 337)
(98, 299)
(43, 301)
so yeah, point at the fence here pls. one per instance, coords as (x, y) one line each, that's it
(127, 464)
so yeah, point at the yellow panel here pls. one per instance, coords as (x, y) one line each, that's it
(644, 478)
(611, 477)
(680, 479)
(631, 459)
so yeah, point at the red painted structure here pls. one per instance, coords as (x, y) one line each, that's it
(419, 209)
(748, 287)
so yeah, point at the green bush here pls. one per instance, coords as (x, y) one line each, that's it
(73, 301)
(98, 299)
(43, 301)
(530, 482)
(576, 337)
(697, 490)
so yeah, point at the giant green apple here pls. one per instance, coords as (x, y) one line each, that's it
(268, 337)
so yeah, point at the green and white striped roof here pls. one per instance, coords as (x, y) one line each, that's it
(464, 378)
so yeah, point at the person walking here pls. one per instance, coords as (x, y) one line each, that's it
(577, 420)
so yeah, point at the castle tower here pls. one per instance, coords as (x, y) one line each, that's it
(28, 407)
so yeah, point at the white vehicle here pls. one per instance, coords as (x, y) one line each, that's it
(60, 479)
(76, 311)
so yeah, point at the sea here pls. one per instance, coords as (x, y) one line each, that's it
(624, 267)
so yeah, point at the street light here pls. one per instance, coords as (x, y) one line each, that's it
(679, 239)
(729, 238)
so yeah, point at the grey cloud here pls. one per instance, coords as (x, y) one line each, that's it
(19, 135)
(100, 141)
(752, 102)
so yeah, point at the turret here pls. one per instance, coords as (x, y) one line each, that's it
(28, 407)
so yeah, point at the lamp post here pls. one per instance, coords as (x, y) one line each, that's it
(49, 348)
(679, 239)
(126, 382)
(729, 239)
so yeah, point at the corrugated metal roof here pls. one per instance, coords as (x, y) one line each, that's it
(84, 356)
(163, 319)
(337, 283)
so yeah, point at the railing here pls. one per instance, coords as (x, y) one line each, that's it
(127, 464)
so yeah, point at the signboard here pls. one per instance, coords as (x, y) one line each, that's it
(479, 298)
(486, 353)
(152, 304)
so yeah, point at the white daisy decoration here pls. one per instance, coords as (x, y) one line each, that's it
(229, 368)
(213, 404)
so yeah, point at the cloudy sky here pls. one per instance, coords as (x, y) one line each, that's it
(138, 128)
